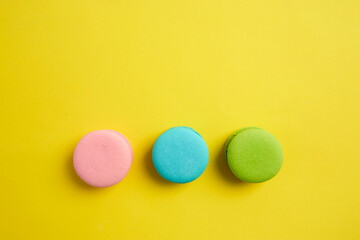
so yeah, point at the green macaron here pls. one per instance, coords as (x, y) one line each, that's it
(254, 155)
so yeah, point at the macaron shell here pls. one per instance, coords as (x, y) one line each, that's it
(102, 158)
(127, 141)
(180, 155)
(254, 155)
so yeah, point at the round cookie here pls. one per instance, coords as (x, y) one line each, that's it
(254, 155)
(102, 158)
(180, 155)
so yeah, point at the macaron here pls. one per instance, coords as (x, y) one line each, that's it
(102, 158)
(254, 155)
(180, 155)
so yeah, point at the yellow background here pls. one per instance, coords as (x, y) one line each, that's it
(141, 67)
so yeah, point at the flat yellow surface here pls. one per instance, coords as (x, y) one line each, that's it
(141, 67)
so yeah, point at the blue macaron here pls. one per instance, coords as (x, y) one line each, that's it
(180, 155)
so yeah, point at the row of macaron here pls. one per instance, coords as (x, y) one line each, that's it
(103, 158)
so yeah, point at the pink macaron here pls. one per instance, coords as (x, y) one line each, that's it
(102, 158)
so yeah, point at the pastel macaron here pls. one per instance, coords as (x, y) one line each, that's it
(103, 158)
(180, 155)
(254, 155)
